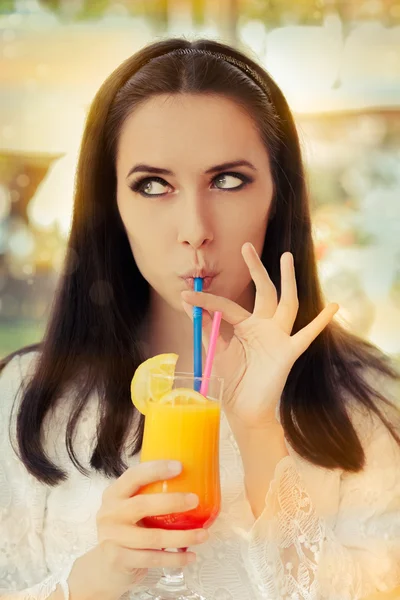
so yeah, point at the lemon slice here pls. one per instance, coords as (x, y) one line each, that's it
(144, 387)
(182, 396)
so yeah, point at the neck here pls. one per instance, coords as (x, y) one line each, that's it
(169, 330)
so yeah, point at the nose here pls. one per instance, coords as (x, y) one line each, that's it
(195, 227)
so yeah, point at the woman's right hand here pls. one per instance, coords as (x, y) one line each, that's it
(126, 550)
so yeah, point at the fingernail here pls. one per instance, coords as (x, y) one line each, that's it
(192, 500)
(174, 466)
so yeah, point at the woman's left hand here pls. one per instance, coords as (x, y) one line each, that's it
(257, 360)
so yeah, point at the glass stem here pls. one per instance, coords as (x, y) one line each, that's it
(172, 580)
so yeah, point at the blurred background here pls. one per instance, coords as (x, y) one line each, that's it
(337, 61)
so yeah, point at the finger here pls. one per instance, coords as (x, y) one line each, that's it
(266, 296)
(305, 336)
(207, 323)
(152, 539)
(288, 305)
(154, 505)
(147, 559)
(231, 312)
(128, 561)
(135, 477)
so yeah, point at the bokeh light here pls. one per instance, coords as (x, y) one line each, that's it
(21, 242)
(5, 202)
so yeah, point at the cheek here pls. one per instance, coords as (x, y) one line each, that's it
(133, 219)
(247, 225)
(146, 232)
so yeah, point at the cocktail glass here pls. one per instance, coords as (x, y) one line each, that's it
(186, 431)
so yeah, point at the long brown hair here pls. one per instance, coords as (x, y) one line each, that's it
(99, 342)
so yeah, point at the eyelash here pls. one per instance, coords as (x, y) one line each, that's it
(137, 185)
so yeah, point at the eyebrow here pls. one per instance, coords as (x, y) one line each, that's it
(142, 168)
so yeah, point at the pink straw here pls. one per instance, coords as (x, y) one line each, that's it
(211, 352)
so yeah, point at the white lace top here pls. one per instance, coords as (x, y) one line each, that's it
(325, 534)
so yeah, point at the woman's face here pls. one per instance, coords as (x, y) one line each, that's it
(186, 215)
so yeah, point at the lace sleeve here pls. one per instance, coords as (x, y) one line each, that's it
(22, 508)
(41, 590)
(329, 534)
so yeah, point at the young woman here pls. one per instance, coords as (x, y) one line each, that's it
(190, 166)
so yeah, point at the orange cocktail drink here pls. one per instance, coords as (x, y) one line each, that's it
(190, 434)
(184, 426)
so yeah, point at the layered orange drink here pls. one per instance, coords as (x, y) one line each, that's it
(181, 424)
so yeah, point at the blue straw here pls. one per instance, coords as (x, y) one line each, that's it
(197, 336)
